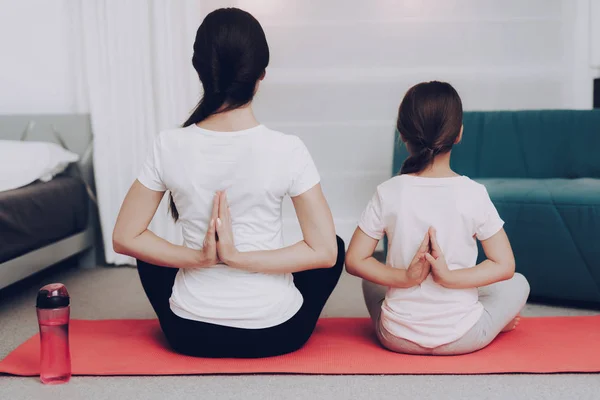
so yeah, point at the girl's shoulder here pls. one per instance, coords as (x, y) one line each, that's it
(460, 183)
(476, 187)
(413, 180)
(392, 186)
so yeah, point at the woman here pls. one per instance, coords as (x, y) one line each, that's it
(233, 289)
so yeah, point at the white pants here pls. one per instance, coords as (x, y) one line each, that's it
(502, 302)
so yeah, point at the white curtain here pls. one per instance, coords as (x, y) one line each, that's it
(136, 79)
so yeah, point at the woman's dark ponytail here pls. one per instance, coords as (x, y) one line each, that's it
(429, 122)
(208, 105)
(230, 56)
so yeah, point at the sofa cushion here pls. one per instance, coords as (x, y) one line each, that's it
(561, 193)
(554, 228)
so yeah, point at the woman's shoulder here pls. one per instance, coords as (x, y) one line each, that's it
(278, 134)
(262, 136)
(167, 135)
(278, 138)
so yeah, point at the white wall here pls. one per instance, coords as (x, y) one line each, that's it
(594, 21)
(36, 70)
(339, 69)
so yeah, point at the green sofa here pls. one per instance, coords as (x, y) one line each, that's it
(542, 170)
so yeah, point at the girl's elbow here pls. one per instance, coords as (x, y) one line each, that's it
(509, 269)
(351, 265)
(350, 269)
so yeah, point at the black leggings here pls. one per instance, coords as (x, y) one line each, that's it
(203, 339)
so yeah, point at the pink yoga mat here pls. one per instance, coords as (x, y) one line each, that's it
(338, 346)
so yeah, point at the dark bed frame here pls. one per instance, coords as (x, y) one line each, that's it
(74, 133)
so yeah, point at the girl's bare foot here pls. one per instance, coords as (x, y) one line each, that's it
(512, 324)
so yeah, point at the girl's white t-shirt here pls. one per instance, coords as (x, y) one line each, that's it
(461, 211)
(257, 167)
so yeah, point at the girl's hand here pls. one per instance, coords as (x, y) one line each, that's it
(439, 268)
(209, 246)
(226, 250)
(419, 267)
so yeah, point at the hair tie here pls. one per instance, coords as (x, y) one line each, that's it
(433, 150)
(428, 148)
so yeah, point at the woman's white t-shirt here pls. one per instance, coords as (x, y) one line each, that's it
(257, 167)
(460, 210)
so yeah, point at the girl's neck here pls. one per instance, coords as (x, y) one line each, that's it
(440, 168)
(231, 121)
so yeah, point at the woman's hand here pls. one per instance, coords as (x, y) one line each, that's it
(318, 249)
(420, 267)
(226, 250)
(209, 246)
(439, 268)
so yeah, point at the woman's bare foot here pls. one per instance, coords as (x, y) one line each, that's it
(512, 324)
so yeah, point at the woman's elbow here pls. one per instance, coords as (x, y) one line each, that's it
(329, 257)
(325, 255)
(121, 244)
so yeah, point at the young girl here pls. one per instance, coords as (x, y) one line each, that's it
(430, 297)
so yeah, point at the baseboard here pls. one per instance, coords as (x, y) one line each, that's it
(28, 264)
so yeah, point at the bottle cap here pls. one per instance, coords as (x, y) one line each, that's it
(54, 295)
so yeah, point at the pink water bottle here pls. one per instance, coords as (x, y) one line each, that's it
(53, 316)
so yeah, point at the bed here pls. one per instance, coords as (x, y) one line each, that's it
(44, 223)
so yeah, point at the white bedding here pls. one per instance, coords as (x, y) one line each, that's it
(22, 163)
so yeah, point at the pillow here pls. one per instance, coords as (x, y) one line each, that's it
(22, 163)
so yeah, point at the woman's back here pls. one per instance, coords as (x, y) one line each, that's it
(233, 289)
(257, 167)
